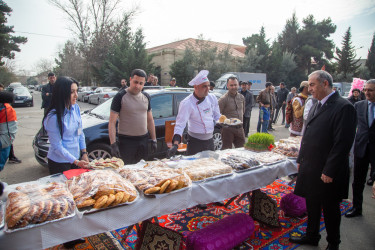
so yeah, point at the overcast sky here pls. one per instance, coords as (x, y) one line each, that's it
(165, 21)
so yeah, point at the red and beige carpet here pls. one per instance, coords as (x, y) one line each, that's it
(194, 218)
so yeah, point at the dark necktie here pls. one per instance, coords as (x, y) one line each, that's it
(317, 108)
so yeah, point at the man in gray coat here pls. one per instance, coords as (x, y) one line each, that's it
(323, 160)
(364, 146)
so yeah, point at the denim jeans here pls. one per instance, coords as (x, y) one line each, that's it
(265, 126)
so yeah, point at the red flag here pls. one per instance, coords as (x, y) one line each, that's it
(324, 67)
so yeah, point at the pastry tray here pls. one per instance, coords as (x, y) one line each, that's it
(273, 163)
(248, 169)
(165, 194)
(7, 230)
(93, 210)
(214, 177)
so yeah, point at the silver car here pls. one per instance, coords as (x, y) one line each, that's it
(84, 91)
(102, 93)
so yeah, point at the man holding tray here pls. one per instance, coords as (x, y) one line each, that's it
(199, 110)
(232, 105)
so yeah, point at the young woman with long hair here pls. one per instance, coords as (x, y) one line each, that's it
(63, 124)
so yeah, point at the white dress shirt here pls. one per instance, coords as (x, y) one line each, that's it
(200, 117)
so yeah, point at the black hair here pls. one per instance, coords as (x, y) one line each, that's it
(356, 90)
(1, 85)
(268, 84)
(212, 84)
(282, 83)
(138, 72)
(232, 78)
(51, 74)
(61, 99)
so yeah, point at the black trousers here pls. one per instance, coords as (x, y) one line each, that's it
(133, 148)
(271, 118)
(332, 218)
(57, 167)
(195, 145)
(360, 173)
(278, 107)
(246, 125)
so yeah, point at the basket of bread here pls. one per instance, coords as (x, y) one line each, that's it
(101, 189)
(157, 180)
(36, 203)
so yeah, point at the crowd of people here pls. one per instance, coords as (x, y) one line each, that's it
(328, 124)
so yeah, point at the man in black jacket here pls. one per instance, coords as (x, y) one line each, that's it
(47, 90)
(323, 160)
(249, 100)
(281, 95)
(364, 146)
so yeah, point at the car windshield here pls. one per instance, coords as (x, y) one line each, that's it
(21, 91)
(103, 110)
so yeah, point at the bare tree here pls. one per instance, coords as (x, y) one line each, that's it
(43, 65)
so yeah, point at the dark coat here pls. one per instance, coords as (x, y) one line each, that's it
(325, 148)
(282, 94)
(46, 100)
(365, 135)
(249, 100)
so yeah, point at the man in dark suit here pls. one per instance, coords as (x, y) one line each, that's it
(47, 91)
(323, 160)
(364, 146)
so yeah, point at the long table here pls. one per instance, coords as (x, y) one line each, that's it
(58, 232)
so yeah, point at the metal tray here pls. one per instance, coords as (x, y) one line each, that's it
(214, 177)
(93, 210)
(248, 169)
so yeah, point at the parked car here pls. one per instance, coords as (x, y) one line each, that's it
(164, 104)
(101, 92)
(22, 97)
(84, 91)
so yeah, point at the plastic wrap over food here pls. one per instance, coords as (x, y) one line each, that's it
(100, 189)
(34, 203)
(205, 168)
(238, 162)
(268, 158)
(101, 163)
(288, 147)
(156, 180)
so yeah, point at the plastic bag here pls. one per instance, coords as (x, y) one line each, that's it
(35, 203)
(100, 189)
(156, 180)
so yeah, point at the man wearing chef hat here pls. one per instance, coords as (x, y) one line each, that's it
(199, 110)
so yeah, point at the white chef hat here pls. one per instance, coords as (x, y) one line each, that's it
(200, 78)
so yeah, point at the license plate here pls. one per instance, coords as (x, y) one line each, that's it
(18, 101)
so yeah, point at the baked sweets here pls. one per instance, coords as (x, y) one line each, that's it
(238, 162)
(101, 189)
(204, 168)
(101, 163)
(36, 203)
(268, 157)
(222, 118)
(289, 147)
(156, 180)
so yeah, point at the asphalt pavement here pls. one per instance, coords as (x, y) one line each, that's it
(356, 233)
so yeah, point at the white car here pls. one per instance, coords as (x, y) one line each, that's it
(84, 91)
(102, 94)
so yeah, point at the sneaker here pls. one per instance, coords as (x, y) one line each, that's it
(14, 160)
(283, 123)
